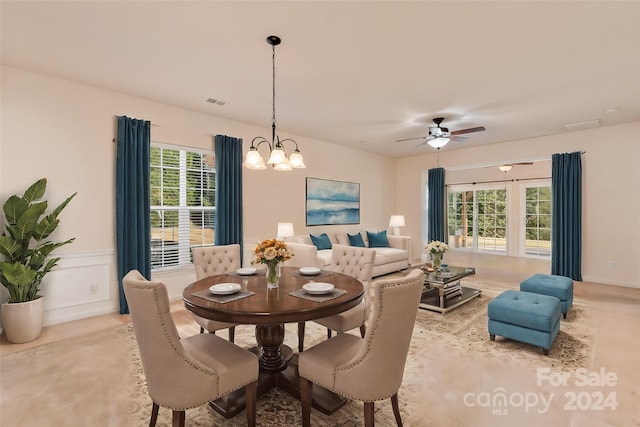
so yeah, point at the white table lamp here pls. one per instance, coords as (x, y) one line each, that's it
(285, 229)
(396, 222)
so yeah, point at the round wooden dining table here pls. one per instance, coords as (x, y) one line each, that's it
(269, 310)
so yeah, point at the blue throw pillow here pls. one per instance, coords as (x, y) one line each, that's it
(378, 240)
(321, 242)
(356, 240)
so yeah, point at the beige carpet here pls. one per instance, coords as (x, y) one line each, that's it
(97, 379)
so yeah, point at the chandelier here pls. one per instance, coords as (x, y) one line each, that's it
(277, 157)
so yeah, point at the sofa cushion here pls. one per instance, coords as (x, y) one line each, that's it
(356, 240)
(378, 240)
(389, 255)
(325, 256)
(321, 242)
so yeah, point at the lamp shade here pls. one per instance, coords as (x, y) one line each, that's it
(505, 168)
(253, 160)
(438, 142)
(285, 229)
(283, 166)
(296, 160)
(277, 156)
(396, 221)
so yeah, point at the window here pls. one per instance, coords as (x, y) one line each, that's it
(477, 218)
(536, 229)
(182, 203)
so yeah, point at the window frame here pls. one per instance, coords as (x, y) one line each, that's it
(459, 188)
(184, 210)
(522, 220)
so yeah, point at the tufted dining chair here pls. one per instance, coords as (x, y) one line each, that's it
(209, 261)
(184, 373)
(368, 369)
(356, 262)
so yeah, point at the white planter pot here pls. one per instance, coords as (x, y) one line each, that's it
(22, 322)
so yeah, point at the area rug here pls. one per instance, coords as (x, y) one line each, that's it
(97, 379)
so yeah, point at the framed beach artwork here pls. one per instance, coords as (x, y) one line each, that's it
(332, 202)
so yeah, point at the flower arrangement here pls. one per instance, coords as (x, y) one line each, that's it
(271, 251)
(436, 246)
(437, 249)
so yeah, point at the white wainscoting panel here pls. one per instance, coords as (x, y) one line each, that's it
(80, 286)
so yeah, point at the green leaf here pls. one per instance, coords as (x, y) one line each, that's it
(36, 191)
(63, 205)
(17, 274)
(9, 248)
(13, 209)
(28, 221)
(45, 227)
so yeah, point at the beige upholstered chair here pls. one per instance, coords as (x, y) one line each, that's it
(209, 261)
(303, 256)
(370, 368)
(184, 373)
(356, 262)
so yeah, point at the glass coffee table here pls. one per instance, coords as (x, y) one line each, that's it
(442, 289)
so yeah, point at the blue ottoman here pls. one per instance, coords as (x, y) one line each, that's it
(525, 317)
(548, 284)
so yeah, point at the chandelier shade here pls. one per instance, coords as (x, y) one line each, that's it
(277, 156)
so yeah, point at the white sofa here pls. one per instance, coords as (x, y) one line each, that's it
(387, 260)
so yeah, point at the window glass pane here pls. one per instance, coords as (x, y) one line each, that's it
(182, 204)
(538, 221)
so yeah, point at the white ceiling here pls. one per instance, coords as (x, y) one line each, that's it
(361, 74)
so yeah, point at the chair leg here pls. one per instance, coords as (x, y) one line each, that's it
(305, 397)
(250, 392)
(396, 409)
(368, 415)
(232, 334)
(301, 326)
(154, 414)
(328, 333)
(178, 418)
(363, 330)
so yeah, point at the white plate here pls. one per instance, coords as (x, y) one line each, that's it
(318, 288)
(248, 271)
(309, 271)
(225, 288)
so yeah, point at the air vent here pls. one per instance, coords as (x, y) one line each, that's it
(215, 101)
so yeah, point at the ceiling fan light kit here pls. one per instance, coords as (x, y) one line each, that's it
(438, 142)
(439, 136)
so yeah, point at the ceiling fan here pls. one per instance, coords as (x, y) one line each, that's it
(506, 167)
(439, 136)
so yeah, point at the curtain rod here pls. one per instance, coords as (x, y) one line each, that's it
(502, 180)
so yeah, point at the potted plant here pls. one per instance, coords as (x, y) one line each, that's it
(25, 260)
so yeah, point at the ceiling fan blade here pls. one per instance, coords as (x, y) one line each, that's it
(469, 130)
(459, 138)
(409, 139)
(522, 163)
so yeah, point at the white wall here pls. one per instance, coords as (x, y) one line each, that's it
(611, 182)
(63, 131)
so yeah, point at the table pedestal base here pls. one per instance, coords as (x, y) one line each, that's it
(286, 380)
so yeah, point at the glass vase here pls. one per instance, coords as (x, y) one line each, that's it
(273, 274)
(436, 260)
